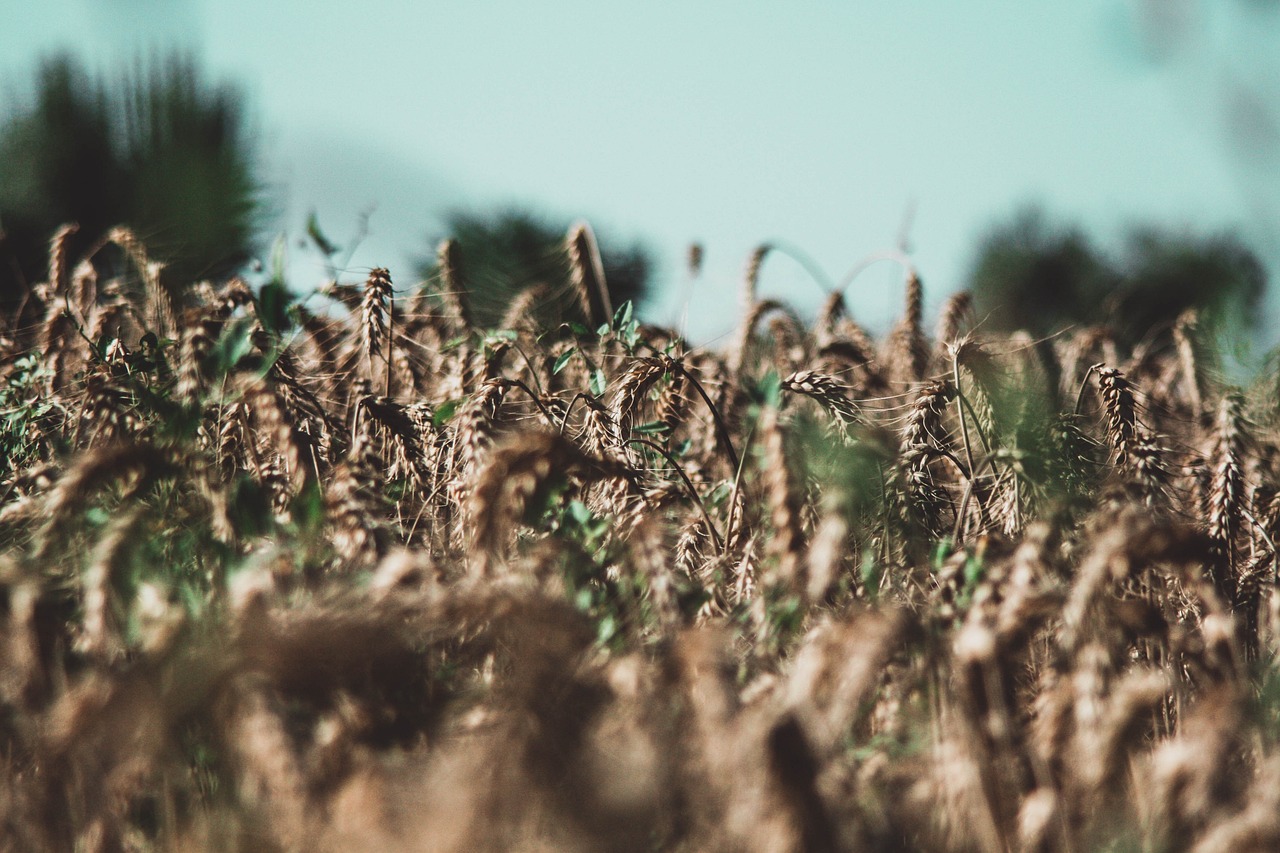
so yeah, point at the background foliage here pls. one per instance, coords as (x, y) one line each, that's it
(156, 148)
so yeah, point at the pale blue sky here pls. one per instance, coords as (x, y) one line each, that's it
(817, 123)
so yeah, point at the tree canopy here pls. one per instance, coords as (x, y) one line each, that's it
(1042, 276)
(506, 252)
(156, 148)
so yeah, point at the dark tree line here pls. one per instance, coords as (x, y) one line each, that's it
(156, 149)
(1041, 276)
(161, 150)
(505, 253)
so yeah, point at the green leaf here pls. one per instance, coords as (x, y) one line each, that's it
(631, 334)
(579, 512)
(279, 259)
(941, 553)
(651, 428)
(444, 413)
(563, 360)
(233, 345)
(317, 236)
(622, 316)
(719, 494)
(580, 330)
(973, 571)
(308, 510)
(273, 306)
(870, 572)
(771, 389)
(597, 382)
(607, 628)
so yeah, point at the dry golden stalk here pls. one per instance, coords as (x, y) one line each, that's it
(673, 405)
(160, 308)
(751, 277)
(1028, 598)
(837, 671)
(375, 314)
(1117, 400)
(24, 677)
(1184, 331)
(759, 310)
(1133, 443)
(100, 741)
(58, 278)
(492, 357)
(114, 321)
(57, 340)
(1255, 828)
(829, 391)
(516, 476)
(908, 351)
(794, 771)
(474, 429)
(1191, 778)
(1120, 729)
(235, 449)
(320, 333)
(599, 432)
(1040, 822)
(648, 553)
(102, 636)
(84, 288)
(829, 316)
(631, 389)
(687, 555)
(745, 575)
(1226, 494)
(1149, 470)
(786, 545)
(195, 340)
(452, 292)
(278, 436)
(827, 550)
(271, 782)
(957, 312)
(976, 399)
(136, 465)
(922, 437)
(412, 432)
(788, 342)
(521, 312)
(109, 410)
(586, 274)
(1131, 542)
(353, 505)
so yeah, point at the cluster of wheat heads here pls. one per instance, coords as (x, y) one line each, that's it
(281, 578)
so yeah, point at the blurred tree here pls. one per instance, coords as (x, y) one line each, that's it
(189, 164)
(157, 150)
(1035, 275)
(1040, 276)
(1165, 272)
(504, 253)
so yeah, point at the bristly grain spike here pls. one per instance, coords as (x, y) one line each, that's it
(586, 273)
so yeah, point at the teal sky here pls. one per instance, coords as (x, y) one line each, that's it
(826, 125)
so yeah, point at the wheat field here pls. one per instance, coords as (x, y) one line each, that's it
(280, 577)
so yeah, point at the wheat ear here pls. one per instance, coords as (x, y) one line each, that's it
(586, 273)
